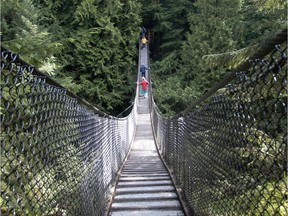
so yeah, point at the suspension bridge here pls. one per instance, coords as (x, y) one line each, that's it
(226, 154)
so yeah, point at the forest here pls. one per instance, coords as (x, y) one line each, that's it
(90, 46)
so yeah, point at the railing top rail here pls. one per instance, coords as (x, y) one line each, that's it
(265, 49)
(49, 80)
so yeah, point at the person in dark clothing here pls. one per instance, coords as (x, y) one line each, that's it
(143, 70)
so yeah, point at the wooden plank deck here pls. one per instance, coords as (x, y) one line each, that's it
(145, 187)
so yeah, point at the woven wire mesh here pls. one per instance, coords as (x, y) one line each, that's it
(57, 157)
(229, 155)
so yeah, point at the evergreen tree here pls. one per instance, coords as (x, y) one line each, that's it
(222, 34)
(213, 29)
(212, 25)
(99, 53)
(22, 33)
(168, 19)
(261, 19)
(89, 46)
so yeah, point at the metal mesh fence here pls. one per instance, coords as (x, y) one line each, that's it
(58, 157)
(229, 154)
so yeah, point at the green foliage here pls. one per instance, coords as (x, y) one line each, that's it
(22, 33)
(169, 22)
(211, 31)
(100, 52)
(200, 41)
(230, 60)
(261, 19)
(88, 46)
(168, 90)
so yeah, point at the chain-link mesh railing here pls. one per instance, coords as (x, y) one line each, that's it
(228, 155)
(58, 156)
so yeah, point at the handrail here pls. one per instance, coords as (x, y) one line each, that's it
(50, 81)
(266, 48)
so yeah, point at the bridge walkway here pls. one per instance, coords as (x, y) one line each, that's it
(145, 187)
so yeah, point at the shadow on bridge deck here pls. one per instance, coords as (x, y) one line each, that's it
(144, 186)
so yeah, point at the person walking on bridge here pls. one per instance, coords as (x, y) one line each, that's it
(144, 86)
(144, 41)
(143, 70)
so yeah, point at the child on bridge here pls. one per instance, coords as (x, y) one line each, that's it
(144, 86)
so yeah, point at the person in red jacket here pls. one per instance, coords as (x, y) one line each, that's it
(144, 85)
